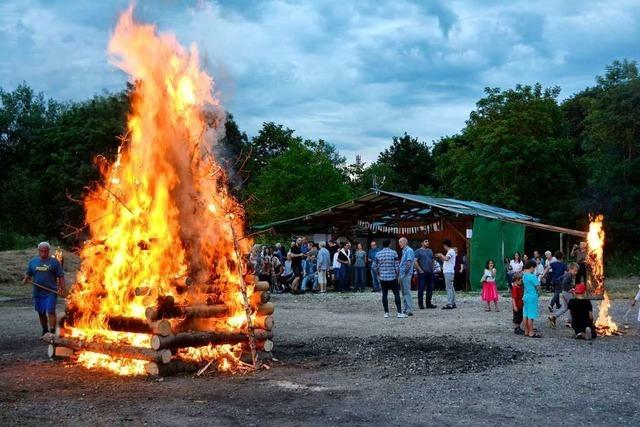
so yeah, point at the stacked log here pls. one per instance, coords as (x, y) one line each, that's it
(173, 326)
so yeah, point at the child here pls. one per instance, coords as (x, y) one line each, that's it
(530, 299)
(489, 288)
(566, 283)
(633, 304)
(516, 303)
(582, 314)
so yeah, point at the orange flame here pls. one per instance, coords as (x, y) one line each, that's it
(604, 323)
(164, 212)
(595, 259)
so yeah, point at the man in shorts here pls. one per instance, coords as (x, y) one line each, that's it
(47, 272)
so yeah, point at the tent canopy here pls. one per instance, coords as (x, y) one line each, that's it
(387, 207)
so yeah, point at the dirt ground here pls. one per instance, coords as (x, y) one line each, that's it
(341, 363)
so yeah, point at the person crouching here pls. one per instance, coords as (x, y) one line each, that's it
(582, 314)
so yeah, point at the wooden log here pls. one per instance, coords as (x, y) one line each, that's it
(264, 322)
(128, 324)
(172, 368)
(260, 297)
(55, 351)
(193, 311)
(111, 349)
(265, 309)
(161, 327)
(261, 286)
(201, 339)
(263, 345)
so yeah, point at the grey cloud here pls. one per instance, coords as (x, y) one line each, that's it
(354, 73)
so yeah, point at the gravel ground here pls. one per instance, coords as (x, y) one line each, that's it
(339, 362)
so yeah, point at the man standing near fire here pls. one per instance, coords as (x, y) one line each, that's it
(46, 274)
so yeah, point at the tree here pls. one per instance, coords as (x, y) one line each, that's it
(408, 164)
(611, 143)
(271, 141)
(301, 179)
(48, 152)
(513, 149)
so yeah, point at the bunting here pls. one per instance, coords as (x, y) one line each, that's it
(427, 228)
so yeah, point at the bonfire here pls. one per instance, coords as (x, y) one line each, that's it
(163, 284)
(595, 260)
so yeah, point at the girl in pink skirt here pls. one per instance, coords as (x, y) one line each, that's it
(489, 287)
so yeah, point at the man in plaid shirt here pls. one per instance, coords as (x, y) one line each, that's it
(386, 266)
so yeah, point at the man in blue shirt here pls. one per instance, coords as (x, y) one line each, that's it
(47, 272)
(385, 266)
(406, 274)
(371, 255)
(424, 265)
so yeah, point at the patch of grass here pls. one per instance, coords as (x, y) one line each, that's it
(622, 288)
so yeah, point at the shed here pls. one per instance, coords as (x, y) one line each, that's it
(481, 231)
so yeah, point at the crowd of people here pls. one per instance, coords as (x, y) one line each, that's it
(527, 276)
(308, 266)
(311, 267)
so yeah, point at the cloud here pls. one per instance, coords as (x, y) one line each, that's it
(354, 73)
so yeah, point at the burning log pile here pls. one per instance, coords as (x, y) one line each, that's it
(171, 328)
(164, 285)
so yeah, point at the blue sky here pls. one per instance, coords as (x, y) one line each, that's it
(352, 72)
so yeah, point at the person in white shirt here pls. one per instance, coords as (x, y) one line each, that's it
(515, 266)
(335, 265)
(448, 269)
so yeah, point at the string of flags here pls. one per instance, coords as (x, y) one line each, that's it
(427, 228)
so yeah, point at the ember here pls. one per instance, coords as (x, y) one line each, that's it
(167, 289)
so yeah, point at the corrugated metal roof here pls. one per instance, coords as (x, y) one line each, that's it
(461, 207)
(464, 207)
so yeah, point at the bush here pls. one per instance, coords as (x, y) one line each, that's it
(10, 240)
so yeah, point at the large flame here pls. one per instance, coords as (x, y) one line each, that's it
(595, 259)
(163, 213)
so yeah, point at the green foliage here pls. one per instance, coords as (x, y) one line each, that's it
(513, 150)
(520, 149)
(611, 144)
(272, 140)
(407, 163)
(47, 153)
(11, 240)
(301, 179)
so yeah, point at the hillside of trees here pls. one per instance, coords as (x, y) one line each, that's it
(520, 148)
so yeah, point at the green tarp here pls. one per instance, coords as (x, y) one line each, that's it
(493, 240)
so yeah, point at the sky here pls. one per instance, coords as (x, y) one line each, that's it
(354, 73)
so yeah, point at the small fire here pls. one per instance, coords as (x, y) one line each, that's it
(595, 239)
(605, 324)
(164, 213)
